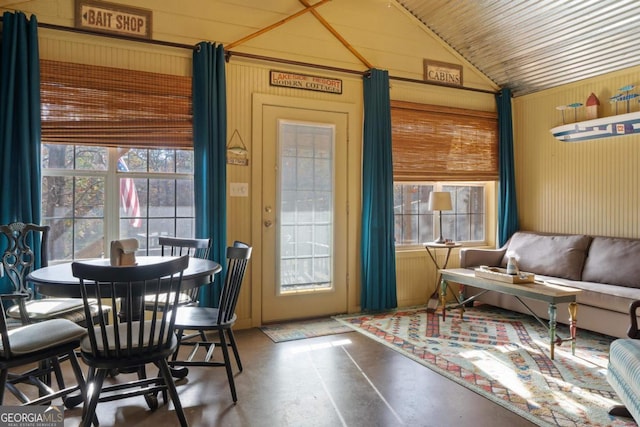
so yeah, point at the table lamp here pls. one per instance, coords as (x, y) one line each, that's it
(439, 201)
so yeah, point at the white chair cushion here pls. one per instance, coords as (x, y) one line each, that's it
(42, 335)
(162, 300)
(48, 308)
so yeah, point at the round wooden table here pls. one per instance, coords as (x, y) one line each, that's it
(58, 280)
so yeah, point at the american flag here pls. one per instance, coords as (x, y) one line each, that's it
(129, 196)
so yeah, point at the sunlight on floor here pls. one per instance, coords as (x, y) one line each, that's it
(312, 347)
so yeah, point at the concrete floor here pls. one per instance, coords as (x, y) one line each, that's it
(339, 380)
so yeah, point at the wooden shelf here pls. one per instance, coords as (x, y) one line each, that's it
(620, 125)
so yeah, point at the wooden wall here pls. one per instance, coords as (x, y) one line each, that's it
(590, 187)
(380, 31)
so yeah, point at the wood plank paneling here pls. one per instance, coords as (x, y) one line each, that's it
(590, 187)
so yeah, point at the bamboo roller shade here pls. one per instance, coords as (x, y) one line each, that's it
(435, 143)
(94, 105)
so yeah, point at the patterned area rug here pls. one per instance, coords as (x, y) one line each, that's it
(305, 329)
(504, 356)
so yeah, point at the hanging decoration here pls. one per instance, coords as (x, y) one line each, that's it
(237, 153)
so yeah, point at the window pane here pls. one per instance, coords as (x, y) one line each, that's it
(305, 188)
(75, 204)
(89, 238)
(91, 158)
(185, 202)
(135, 159)
(162, 198)
(184, 161)
(89, 197)
(415, 224)
(162, 161)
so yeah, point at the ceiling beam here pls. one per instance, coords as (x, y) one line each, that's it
(308, 8)
(336, 34)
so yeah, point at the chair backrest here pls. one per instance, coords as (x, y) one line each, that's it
(178, 246)
(237, 259)
(133, 336)
(25, 250)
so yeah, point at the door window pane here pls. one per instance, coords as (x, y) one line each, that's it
(306, 193)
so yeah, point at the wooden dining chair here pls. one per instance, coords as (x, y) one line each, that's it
(43, 344)
(135, 341)
(179, 246)
(25, 249)
(219, 320)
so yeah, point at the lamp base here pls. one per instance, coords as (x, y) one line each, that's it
(439, 240)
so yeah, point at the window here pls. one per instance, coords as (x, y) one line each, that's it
(415, 224)
(437, 148)
(92, 195)
(117, 158)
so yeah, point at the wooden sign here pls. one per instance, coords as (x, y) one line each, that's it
(305, 81)
(443, 73)
(113, 18)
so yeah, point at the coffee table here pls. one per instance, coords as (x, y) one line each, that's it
(542, 291)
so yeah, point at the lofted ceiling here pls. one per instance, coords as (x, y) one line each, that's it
(528, 46)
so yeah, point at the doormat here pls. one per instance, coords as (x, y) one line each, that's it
(504, 356)
(289, 331)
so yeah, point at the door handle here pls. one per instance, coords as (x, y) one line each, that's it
(268, 223)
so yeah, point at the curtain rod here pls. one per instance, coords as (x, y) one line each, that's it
(230, 53)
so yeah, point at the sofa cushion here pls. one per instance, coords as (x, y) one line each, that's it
(551, 255)
(613, 260)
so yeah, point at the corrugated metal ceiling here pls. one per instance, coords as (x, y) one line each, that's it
(529, 45)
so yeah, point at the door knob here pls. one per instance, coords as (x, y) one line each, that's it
(268, 223)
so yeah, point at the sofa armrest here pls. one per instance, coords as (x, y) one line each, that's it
(472, 257)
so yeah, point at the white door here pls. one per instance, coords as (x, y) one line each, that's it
(304, 213)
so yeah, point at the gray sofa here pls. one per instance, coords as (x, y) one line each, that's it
(607, 269)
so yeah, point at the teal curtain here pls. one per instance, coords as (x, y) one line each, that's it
(378, 262)
(19, 123)
(209, 152)
(507, 206)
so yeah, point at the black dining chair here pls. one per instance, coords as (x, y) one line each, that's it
(25, 249)
(179, 246)
(220, 320)
(43, 344)
(135, 341)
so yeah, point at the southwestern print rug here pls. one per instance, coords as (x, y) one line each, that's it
(504, 356)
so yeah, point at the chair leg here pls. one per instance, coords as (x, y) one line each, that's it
(234, 346)
(96, 378)
(179, 334)
(4, 374)
(73, 401)
(171, 386)
(227, 364)
(56, 369)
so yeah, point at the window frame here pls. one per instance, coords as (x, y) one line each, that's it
(112, 203)
(489, 201)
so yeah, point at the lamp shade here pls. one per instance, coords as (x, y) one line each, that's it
(439, 201)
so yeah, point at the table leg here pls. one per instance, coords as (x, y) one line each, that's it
(573, 325)
(443, 298)
(552, 327)
(460, 299)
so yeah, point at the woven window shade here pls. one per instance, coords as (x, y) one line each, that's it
(434, 143)
(93, 105)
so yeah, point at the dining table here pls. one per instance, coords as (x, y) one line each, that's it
(58, 280)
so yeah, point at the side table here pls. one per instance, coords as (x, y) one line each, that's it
(432, 250)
